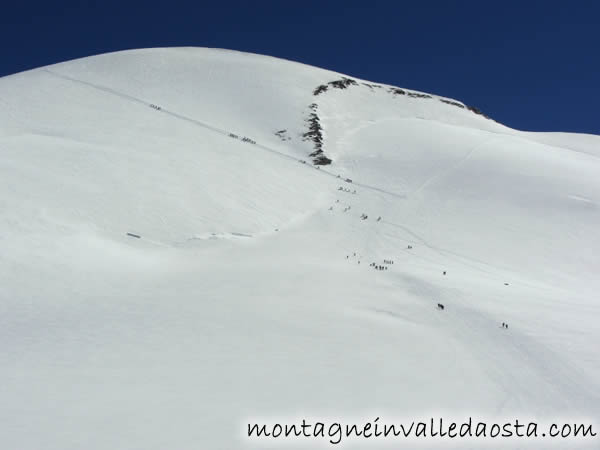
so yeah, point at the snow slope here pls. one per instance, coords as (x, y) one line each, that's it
(242, 297)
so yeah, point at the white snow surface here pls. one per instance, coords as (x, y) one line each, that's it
(242, 297)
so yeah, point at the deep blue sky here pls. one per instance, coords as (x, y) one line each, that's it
(530, 65)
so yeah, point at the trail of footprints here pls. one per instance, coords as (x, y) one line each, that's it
(382, 265)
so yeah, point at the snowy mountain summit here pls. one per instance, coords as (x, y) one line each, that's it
(194, 238)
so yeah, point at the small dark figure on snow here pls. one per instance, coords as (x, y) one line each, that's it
(440, 306)
(444, 272)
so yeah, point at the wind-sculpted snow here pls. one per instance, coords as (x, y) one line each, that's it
(173, 264)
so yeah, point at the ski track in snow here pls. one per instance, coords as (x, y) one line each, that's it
(449, 169)
(211, 128)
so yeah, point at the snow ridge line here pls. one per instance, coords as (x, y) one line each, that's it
(206, 126)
